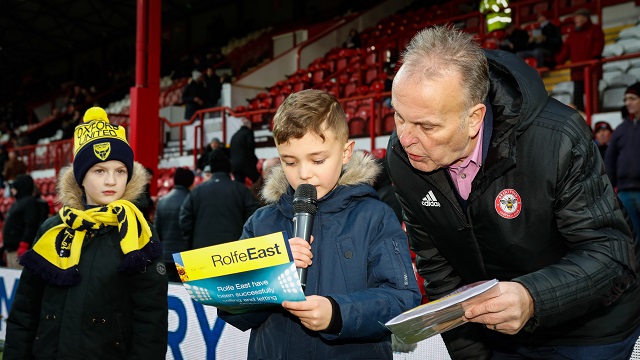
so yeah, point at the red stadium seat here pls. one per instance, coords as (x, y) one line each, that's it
(357, 127)
(379, 153)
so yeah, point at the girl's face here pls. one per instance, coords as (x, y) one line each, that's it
(105, 182)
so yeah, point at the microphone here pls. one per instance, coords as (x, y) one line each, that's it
(305, 206)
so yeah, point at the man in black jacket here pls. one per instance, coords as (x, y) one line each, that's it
(23, 220)
(216, 210)
(544, 42)
(243, 153)
(194, 95)
(498, 180)
(167, 219)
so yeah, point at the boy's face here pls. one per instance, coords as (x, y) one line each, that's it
(105, 182)
(310, 160)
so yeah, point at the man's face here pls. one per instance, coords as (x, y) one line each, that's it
(433, 126)
(579, 20)
(632, 102)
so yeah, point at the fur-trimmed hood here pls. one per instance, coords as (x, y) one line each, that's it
(362, 169)
(70, 193)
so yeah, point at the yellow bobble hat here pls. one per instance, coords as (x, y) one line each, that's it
(96, 140)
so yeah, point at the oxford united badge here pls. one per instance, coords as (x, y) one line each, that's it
(102, 150)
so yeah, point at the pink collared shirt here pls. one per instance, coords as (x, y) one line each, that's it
(464, 173)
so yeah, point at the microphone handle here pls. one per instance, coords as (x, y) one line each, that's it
(302, 224)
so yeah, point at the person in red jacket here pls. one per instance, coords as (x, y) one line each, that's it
(584, 43)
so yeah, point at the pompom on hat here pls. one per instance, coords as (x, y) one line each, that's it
(96, 140)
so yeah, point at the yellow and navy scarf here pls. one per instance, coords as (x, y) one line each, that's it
(55, 256)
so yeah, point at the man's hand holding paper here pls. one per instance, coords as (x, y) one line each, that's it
(506, 313)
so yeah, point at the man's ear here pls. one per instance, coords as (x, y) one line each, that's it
(348, 151)
(476, 117)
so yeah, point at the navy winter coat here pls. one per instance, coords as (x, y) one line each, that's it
(360, 259)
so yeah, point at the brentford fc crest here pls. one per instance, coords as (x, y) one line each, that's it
(508, 204)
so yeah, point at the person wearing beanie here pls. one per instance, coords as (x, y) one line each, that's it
(94, 285)
(622, 159)
(602, 135)
(22, 220)
(203, 160)
(219, 162)
(167, 219)
(215, 211)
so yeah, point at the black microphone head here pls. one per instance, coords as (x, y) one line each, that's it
(305, 199)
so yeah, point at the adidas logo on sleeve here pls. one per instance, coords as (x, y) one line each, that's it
(430, 200)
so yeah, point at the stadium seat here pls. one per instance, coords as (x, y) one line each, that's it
(629, 45)
(630, 33)
(278, 100)
(621, 65)
(563, 91)
(357, 127)
(388, 123)
(612, 96)
(610, 50)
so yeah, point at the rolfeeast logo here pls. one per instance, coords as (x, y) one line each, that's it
(252, 253)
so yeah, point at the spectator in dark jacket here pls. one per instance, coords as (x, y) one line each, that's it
(3, 158)
(213, 84)
(544, 42)
(602, 135)
(353, 40)
(215, 211)
(167, 219)
(194, 95)
(12, 168)
(22, 222)
(203, 160)
(243, 154)
(622, 158)
(516, 40)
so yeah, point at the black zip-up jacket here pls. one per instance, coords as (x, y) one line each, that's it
(569, 243)
(215, 211)
(167, 222)
(108, 314)
(24, 216)
(622, 155)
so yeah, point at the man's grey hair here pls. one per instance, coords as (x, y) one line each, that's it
(439, 51)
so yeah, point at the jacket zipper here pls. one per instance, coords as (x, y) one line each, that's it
(404, 270)
(455, 204)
